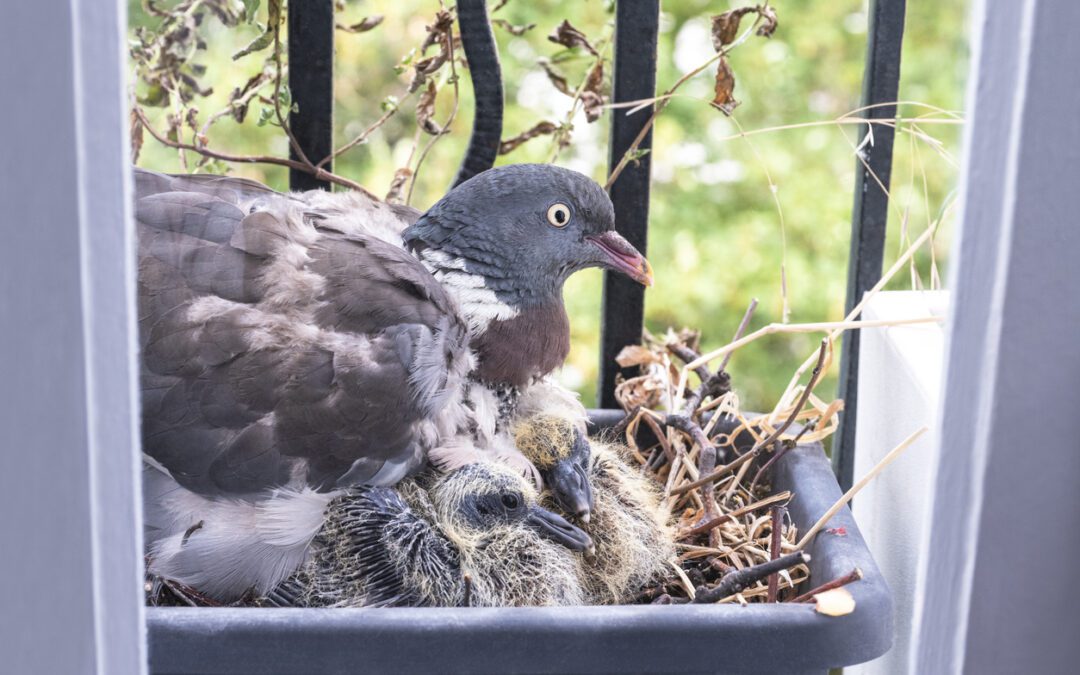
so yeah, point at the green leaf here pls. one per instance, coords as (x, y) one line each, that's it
(265, 116)
(260, 43)
(257, 45)
(156, 96)
(250, 7)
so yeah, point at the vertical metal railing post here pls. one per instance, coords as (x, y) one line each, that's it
(881, 82)
(636, 24)
(311, 81)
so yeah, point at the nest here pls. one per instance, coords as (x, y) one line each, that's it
(713, 463)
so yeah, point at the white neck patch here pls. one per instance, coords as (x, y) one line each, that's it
(479, 304)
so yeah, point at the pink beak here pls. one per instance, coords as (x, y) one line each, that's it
(620, 256)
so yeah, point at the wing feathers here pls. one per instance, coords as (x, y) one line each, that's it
(271, 347)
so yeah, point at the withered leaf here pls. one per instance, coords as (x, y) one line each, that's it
(397, 185)
(635, 355)
(725, 86)
(769, 23)
(439, 33)
(592, 99)
(192, 118)
(540, 129)
(836, 602)
(556, 78)
(436, 32)
(725, 27)
(425, 110)
(136, 134)
(366, 24)
(566, 35)
(511, 28)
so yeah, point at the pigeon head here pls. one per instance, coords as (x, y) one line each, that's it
(560, 452)
(503, 243)
(481, 498)
(525, 229)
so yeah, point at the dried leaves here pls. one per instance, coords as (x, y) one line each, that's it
(725, 27)
(511, 28)
(397, 186)
(725, 30)
(592, 100)
(136, 135)
(725, 86)
(566, 35)
(734, 532)
(590, 92)
(440, 33)
(366, 24)
(835, 602)
(544, 128)
(425, 110)
(588, 97)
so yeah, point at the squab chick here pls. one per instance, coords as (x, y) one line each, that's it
(632, 537)
(416, 545)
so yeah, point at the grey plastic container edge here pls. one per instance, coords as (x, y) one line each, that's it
(781, 638)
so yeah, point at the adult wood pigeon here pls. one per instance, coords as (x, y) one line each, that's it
(309, 342)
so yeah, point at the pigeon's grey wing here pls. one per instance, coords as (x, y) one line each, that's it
(274, 351)
(374, 551)
(240, 192)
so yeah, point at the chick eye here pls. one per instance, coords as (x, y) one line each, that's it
(558, 215)
(510, 501)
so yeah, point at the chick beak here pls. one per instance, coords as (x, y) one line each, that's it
(571, 489)
(619, 255)
(558, 530)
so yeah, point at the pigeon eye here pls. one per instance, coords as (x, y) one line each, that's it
(510, 501)
(558, 215)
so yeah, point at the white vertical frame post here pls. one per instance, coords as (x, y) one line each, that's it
(996, 589)
(69, 504)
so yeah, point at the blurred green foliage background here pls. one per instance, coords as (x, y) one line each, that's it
(715, 237)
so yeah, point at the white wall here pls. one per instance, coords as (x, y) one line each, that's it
(997, 581)
(900, 371)
(71, 564)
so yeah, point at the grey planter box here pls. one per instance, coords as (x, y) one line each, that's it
(640, 638)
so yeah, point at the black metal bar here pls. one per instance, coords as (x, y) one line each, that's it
(636, 23)
(881, 82)
(311, 81)
(479, 43)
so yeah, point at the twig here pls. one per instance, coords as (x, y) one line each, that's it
(776, 515)
(750, 508)
(282, 122)
(661, 437)
(363, 135)
(467, 600)
(851, 577)
(686, 355)
(449, 37)
(321, 174)
(787, 446)
(733, 582)
(765, 442)
(878, 468)
(663, 100)
(885, 278)
(836, 327)
(743, 325)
